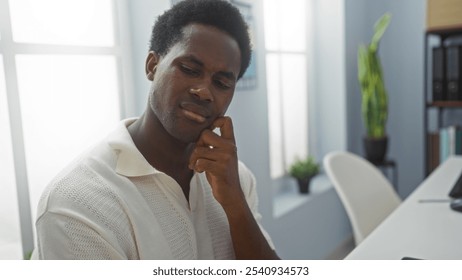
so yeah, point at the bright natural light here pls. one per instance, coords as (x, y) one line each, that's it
(81, 22)
(286, 76)
(64, 87)
(275, 117)
(285, 25)
(294, 105)
(67, 103)
(10, 240)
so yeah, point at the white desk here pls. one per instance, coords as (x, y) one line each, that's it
(420, 230)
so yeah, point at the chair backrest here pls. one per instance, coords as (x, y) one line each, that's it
(366, 194)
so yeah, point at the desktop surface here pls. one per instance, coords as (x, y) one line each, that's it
(423, 226)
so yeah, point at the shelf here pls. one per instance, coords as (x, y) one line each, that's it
(432, 134)
(445, 104)
(447, 31)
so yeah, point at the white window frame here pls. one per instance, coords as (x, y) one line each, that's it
(9, 49)
(309, 129)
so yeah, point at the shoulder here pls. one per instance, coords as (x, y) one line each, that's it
(84, 183)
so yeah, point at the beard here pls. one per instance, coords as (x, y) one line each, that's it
(175, 124)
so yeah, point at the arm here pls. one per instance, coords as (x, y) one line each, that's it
(61, 237)
(221, 166)
(78, 219)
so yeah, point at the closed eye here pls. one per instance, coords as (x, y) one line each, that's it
(189, 70)
(223, 85)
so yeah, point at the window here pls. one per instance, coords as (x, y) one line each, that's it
(10, 239)
(286, 75)
(64, 84)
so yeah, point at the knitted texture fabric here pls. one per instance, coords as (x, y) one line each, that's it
(93, 210)
(175, 227)
(84, 192)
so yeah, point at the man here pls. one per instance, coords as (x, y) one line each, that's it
(165, 185)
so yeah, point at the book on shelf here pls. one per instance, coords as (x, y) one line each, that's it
(438, 75)
(444, 144)
(458, 141)
(455, 140)
(433, 152)
(450, 142)
(453, 73)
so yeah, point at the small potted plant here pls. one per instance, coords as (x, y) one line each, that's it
(303, 171)
(374, 105)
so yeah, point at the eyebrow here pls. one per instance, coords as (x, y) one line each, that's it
(197, 61)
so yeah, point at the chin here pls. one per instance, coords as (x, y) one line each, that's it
(186, 137)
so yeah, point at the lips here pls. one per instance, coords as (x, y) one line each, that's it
(195, 112)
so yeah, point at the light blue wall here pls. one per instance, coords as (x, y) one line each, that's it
(401, 53)
(329, 76)
(316, 228)
(142, 15)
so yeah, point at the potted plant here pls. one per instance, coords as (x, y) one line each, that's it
(303, 171)
(374, 105)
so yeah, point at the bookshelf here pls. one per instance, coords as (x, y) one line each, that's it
(445, 104)
(441, 113)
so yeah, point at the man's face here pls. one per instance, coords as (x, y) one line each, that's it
(194, 82)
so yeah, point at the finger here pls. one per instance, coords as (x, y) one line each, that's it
(209, 139)
(217, 169)
(225, 124)
(206, 165)
(202, 152)
(206, 139)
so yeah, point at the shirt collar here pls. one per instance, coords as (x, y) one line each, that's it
(130, 161)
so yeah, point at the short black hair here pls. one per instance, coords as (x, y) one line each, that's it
(168, 29)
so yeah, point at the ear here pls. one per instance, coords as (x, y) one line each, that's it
(151, 64)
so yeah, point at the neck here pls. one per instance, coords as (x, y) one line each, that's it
(162, 151)
(159, 148)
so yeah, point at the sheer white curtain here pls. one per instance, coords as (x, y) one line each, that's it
(286, 74)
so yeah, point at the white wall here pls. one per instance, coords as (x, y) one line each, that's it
(142, 14)
(401, 52)
(330, 84)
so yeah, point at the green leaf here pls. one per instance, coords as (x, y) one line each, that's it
(306, 168)
(374, 95)
(362, 64)
(380, 27)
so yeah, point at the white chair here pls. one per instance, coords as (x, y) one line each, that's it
(366, 194)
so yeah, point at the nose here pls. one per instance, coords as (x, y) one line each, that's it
(201, 93)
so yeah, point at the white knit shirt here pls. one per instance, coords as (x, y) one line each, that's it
(112, 204)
